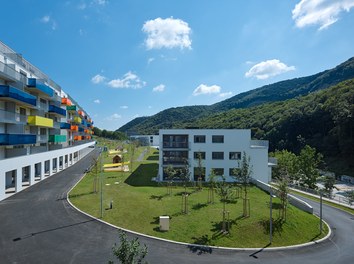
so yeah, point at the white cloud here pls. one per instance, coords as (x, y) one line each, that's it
(82, 6)
(113, 117)
(135, 116)
(124, 107)
(97, 101)
(224, 95)
(159, 88)
(101, 2)
(150, 60)
(129, 80)
(269, 68)
(167, 33)
(98, 79)
(204, 89)
(48, 20)
(45, 19)
(319, 12)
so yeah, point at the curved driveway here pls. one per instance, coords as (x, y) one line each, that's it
(38, 225)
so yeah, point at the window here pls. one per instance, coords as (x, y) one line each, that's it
(175, 157)
(218, 171)
(218, 139)
(218, 155)
(233, 171)
(235, 155)
(199, 172)
(201, 153)
(199, 139)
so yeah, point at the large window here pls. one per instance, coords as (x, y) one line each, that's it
(218, 171)
(218, 139)
(234, 155)
(175, 157)
(218, 155)
(199, 172)
(199, 153)
(199, 139)
(175, 141)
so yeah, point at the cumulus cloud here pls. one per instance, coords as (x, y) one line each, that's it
(319, 12)
(45, 19)
(48, 20)
(159, 88)
(167, 33)
(101, 2)
(129, 80)
(269, 68)
(150, 60)
(123, 107)
(97, 101)
(98, 79)
(204, 89)
(113, 117)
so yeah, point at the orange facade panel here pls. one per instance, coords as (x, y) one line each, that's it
(66, 101)
(74, 128)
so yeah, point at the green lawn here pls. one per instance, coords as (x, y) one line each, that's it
(138, 202)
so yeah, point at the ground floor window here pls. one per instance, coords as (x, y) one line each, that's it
(199, 173)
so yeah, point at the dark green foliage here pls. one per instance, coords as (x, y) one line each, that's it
(109, 134)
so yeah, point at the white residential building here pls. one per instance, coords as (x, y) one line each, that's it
(220, 149)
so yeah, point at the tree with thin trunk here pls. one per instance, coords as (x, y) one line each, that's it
(329, 182)
(170, 173)
(212, 185)
(199, 170)
(95, 167)
(283, 191)
(225, 192)
(243, 174)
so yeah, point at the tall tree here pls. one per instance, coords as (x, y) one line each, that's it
(286, 162)
(283, 191)
(243, 175)
(309, 160)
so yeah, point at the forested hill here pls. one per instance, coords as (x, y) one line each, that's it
(178, 117)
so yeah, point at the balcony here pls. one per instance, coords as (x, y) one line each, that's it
(65, 126)
(259, 144)
(8, 73)
(81, 113)
(71, 108)
(272, 161)
(57, 110)
(57, 138)
(14, 94)
(40, 121)
(84, 122)
(12, 118)
(77, 120)
(66, 101)
(74, 128)
(39, 86)
(42, 138)
(78, 138)
(17, 139)
(175, 144)
(81, 129)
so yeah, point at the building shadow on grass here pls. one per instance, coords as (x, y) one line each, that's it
(277, 225)
(199, 206)
(142, 175)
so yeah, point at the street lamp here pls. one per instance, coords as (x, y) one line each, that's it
(270, 215)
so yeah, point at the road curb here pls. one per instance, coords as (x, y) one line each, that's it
(197, 245)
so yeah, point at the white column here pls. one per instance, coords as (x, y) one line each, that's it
(2, 185)
(42, 169)
(32, 172)
(50, 167)
(18, 181)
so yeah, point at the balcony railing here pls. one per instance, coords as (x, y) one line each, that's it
(40, 121)
(12, 118)
(272, 161)
(57, 138)
(17, 139)
(175, 144)
(9, 73)
(77, 120)
(57, 110)
(16, 94)
(65, 126)
(42, 138)
(259, 143)
(40, 86)
(66, 101)
(71, 108)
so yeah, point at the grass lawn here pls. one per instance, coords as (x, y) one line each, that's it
(138, 202)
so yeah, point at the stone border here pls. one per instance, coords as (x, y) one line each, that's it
(197, 245)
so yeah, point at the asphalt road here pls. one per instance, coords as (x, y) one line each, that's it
(38, 225)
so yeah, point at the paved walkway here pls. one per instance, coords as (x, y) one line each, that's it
(38, 225)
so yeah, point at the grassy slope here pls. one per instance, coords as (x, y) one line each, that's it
(138, 203)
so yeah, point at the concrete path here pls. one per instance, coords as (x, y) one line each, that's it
(38, 225)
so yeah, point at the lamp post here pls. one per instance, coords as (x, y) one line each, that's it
(101, 186)
(321, 212)
(270, 215)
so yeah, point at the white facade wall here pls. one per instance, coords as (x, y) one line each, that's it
(235, 140)
(16, 164)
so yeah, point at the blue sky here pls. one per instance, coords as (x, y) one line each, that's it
(126, 58)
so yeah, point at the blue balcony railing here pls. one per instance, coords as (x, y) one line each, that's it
(56, 109)
(17, 139)
(84, 122)
(37, 84)
(14, 93)
(81, 129)
(65, 126)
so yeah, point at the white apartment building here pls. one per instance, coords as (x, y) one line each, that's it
(42, 129)
(147, 140)
(220, 150)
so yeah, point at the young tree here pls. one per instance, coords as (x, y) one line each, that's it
(283, 191)
(350, 195)
(185, 174)
(225, 193)
(170, 173)
(309, 160)
(212, 185)
(329, 185)
(129, 252)
(286, 161)
(243, 175)
(200, 170)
